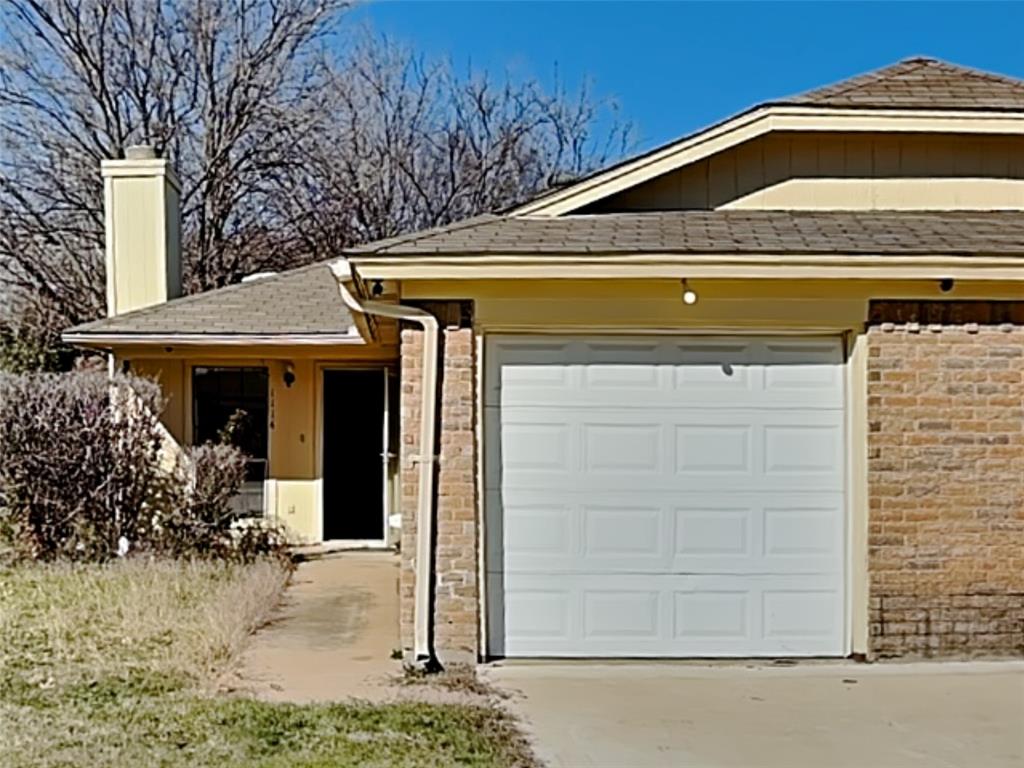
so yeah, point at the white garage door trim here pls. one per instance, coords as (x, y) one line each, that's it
(624, 604)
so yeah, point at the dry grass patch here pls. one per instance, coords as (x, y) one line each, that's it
(61, 623)
(457, 678)
(116, 665)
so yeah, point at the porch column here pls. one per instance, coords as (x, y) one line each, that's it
(456, 594)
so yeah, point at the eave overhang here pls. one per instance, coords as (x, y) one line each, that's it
(691, 265)
(111, 340)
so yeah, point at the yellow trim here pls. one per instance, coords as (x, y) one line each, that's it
(858, 587)
(697, 265)
(104, 340)
(756, 123)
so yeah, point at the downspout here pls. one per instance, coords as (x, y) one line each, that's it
(347, 285)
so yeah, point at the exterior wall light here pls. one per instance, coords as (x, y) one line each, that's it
(946, 284)
(289, 374)
(689, 295)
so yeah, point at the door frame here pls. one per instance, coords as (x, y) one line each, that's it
(855, 508)
(387, 494)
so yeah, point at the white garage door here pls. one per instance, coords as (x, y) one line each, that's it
(665, 496)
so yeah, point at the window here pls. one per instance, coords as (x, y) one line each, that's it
(231, 405)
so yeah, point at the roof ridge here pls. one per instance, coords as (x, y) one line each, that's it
(423, 234)
(893, 73)
(963, 69)
(840, 87)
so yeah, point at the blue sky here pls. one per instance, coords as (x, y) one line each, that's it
(675, 67)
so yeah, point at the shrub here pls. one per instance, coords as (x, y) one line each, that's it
(204, 520)
(82, 472)
(79, 463)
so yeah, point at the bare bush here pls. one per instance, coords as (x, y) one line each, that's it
(79, 463)
(83, 476)
(204, 522)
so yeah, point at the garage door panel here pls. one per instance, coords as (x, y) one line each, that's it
(666, 450)
(705, 373)
(800, 614)
(623, 448)
(632, 532)
(808, 530)
(618, 534)
(533, 445)
(541, 613)
(762, 533)
(705, 449)
(665, 497)
(714, 537)
(636, 615)
(804, 449)
(708, 614)
(621, 613)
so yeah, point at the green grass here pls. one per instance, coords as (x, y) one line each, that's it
(117, 665)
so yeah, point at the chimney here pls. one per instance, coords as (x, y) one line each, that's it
(143, 230)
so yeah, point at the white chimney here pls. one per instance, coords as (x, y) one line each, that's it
(141, 198)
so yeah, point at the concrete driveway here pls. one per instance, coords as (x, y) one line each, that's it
(815, 714)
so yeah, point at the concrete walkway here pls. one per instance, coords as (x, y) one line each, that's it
(816, 715)
(333, 635)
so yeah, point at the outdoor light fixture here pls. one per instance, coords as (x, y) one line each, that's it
(378, 288)
(289, 374)
(946, 284)
(689, 295)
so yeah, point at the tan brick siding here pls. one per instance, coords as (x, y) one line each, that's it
(946, 478)
(456, 596)
(411, 381)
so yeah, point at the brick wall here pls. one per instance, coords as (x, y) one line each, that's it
(456, 597)
(946, 478)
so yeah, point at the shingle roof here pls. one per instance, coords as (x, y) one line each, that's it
(919, 83)
(303, 301)
(720, 232)
(306, 301)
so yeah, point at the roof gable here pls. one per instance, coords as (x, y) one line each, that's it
(915, 95)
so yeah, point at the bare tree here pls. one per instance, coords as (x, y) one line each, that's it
(287, 150)
(407, 144)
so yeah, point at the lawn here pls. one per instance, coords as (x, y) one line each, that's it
(118, 665)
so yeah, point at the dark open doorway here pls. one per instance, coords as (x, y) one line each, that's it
(353, 454)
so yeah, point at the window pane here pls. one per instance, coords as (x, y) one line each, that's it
(231, 405)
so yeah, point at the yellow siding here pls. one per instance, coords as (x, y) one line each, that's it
(170, 374)
(294, 490)
(842, 171)
(656, 304)
(143, 258)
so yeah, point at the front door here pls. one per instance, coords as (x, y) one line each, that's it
(354, 455)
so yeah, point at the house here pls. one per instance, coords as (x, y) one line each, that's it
(755, 393)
